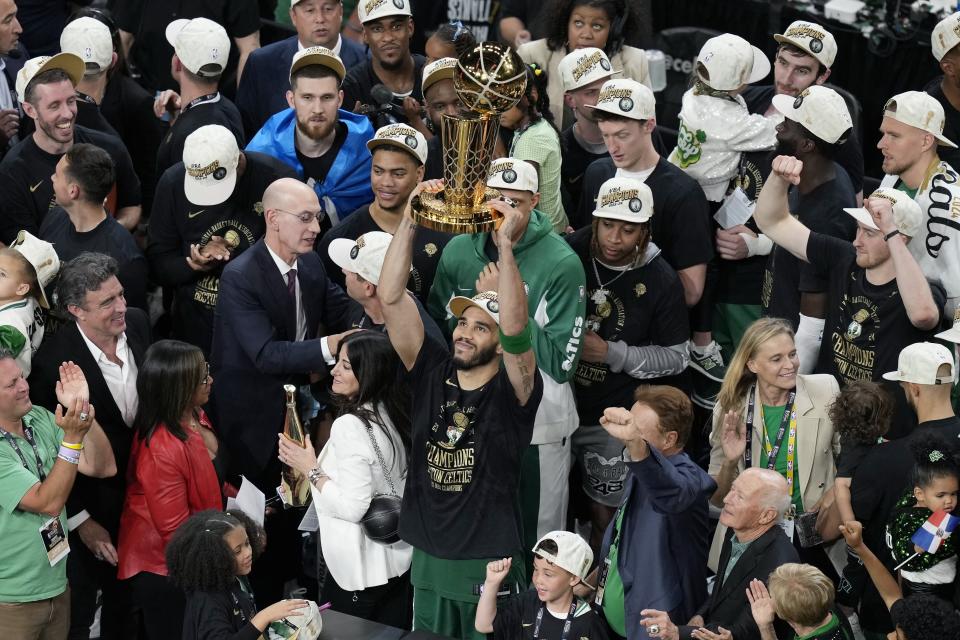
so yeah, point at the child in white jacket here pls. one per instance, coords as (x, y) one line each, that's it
(715, 125)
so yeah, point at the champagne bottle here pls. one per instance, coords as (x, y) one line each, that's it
(296, 485)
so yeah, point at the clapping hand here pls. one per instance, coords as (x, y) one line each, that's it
(72, 385)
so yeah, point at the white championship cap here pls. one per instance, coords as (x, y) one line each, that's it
(906, 213)
(566, 550)
(513, 173)
(625, 199)
(202, 45)
(363, 256)
(945, 36)
(486, 301)
(953, 333)
(583, 66)
(370, 10)
(69, 63)
(918, 363)
(627, 98)
(819, 109)
(440, 69)
(920, 110)
(812, 38)
(318, 55)
(729, 61)
(89, 39)
(210, 157)
(44, 259)
(400, 136)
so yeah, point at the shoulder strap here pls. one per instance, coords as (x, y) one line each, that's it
(383, 464)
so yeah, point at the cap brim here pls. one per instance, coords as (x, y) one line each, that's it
(208, 195)
(437, 76)
(459, 304)
(330, 62)
(951, 335)
(784, 104)
(339, 252)
(779, 37)
(761, 66)
(617, 112)
(600, 213)
(580, 85)
(373, 143)
(944, 141)
(173, 30)
(72, 64)
(892, 375)
(863, 217)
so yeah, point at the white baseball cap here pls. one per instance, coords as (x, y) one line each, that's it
(945, 36)
(400, 136)
(918, 363)
(812, 38)
(583, 66)
(91, 40)
(440, 69)
(363, 256)
(729, 61)
(820, 109)
(69, 63)
(572, 554)
(210, 157)
(369, 10)
(907, 215)
(318, 55)
(920, 110)
(625, 199)
(44, 259)
(953, 333)
(202, 45)
(486, 301)
(513, 173)
(627, 98)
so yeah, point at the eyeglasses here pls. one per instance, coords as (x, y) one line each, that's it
(306, 217)
(206, 378)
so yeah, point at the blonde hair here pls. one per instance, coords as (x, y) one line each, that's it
(737, 382)
(801, 593)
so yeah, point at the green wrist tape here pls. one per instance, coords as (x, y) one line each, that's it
(517, 344)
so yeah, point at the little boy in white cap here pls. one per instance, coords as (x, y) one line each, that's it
(561, 561)
(28, 266)
(715, 125)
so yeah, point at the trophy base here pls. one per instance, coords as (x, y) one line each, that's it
(431, 209)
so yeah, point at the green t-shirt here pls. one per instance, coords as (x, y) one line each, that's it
(900, 186)
(455, 579)
(772, 416)
(25, 571)
(540, 143)
(613, 609)
(824, 632)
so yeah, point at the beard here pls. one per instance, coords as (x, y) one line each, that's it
(786, 148)
(315, 130)
(480, 358)
(51, 131)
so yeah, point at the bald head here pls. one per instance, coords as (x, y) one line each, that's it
(292, 212)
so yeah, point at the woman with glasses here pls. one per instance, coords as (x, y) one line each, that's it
(365, 456)
(171, 475)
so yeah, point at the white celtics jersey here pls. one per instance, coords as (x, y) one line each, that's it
(21, 330)
(937, 246)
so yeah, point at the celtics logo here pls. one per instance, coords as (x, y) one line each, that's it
(855, 328)
(455, 430)
(816, 45)
(398, 4)
(626, 104)
(509, 176)
(410, 141)
(493, 306)
(604, 64)
(635, 205)
(220, 173)
(354, 252)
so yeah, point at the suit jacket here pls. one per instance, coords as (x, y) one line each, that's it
(266, 79)
(662, 557)
(817, 442)
(727, 605)
(101, 497)
(255, 351)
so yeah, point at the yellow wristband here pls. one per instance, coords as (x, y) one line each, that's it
(78, 446)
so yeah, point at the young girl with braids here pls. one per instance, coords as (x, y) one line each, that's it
(209, 557)
(535, 139)
(936, 482)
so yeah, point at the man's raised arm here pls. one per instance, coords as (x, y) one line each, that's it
(772, 214)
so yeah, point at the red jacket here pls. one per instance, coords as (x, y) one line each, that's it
(166, 483)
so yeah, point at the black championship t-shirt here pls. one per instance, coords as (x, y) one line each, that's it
(427, 247)
(951, 125)
(211, 109)
(517, 620)
(866, 324)
(89, 116)
(109, 237)
(460, 501)
(645, 306)
(681, 224)
(849, 154)
(575, 161)
(786, 276)
(26, 189)
(361, 79)
(176, 224)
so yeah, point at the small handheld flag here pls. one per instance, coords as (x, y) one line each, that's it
(934, 531)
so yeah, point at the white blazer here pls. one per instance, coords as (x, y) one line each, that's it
(349, 460)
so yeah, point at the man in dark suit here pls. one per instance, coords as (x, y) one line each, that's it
(657, 544)
(107, 340)
(12, 57)
(754, 547)
(265, 80)
(274, 307)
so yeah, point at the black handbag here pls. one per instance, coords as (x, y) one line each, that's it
(381, 522)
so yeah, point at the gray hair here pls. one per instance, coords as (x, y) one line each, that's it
(84, 273)
(6, 353)
(773, 493)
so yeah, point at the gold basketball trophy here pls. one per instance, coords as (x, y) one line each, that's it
(489, 79)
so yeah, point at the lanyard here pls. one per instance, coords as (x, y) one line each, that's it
(28, 433)
(789, 419)
(566, 623)
(210, 97)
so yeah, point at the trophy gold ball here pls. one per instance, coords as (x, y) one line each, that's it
(489, 79)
